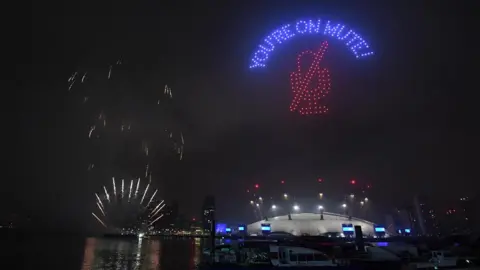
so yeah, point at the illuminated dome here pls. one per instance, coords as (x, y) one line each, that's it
(310, 223)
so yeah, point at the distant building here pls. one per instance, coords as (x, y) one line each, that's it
(208, 213)
(311, 224)
(170, 216)
(390, 225)
(404, 218)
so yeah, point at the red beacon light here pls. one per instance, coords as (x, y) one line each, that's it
(353, 182)
(320, 180)
(257, 186)
(283, 181)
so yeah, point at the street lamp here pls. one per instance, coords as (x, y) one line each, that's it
(366, 208)
(260, 198)
(274, 207)
(258, 205)
(320, 195)
(285, 196)
(320, 207)
(296, 207)
(344, 206)
(251, 202)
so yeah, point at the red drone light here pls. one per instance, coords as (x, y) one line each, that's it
(283, 182)
(353, 182)
(320, 180)
(307, 95)
(257, 186)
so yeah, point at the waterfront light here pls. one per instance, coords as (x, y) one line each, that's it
(285, 195)
(344, 205)
(258, 205)
(274, 207)
(251, 202)
(296, 207)
(260, 198)
(352, 196)
(320, 207)
(361, 203)
(366, 200)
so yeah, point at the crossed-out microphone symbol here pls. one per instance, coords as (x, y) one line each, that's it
(308, 95)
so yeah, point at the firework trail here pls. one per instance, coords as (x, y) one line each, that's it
(145, 193)
(99, 220)
(130, 192)
(136, 190)
(120, 138)
(106, 194)
(127, 212)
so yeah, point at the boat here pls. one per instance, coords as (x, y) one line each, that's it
(223, 254)
(442, 258)
(290, 256)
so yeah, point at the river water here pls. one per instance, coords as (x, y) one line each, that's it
(66, 253)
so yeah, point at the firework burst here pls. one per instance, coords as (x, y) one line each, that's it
(128, 205)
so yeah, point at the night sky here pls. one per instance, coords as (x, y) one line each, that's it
(402, 120)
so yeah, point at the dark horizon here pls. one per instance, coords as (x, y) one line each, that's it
(401, 120)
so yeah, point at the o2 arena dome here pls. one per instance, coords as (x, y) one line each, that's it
(311, 224)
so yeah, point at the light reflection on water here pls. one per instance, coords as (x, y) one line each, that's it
(141, 254)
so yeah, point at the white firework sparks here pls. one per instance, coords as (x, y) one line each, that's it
(127, 211)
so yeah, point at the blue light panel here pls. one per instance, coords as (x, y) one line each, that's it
(220, 228)
(379, 229)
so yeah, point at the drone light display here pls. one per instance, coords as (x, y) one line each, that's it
(304, 95)
(353, 41)
(311, 85)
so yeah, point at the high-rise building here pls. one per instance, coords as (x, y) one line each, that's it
(432, 223)
(427, 217)
(451, 221)
(208, 213)
(415, 226)
(466, 208)
(420, 215)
